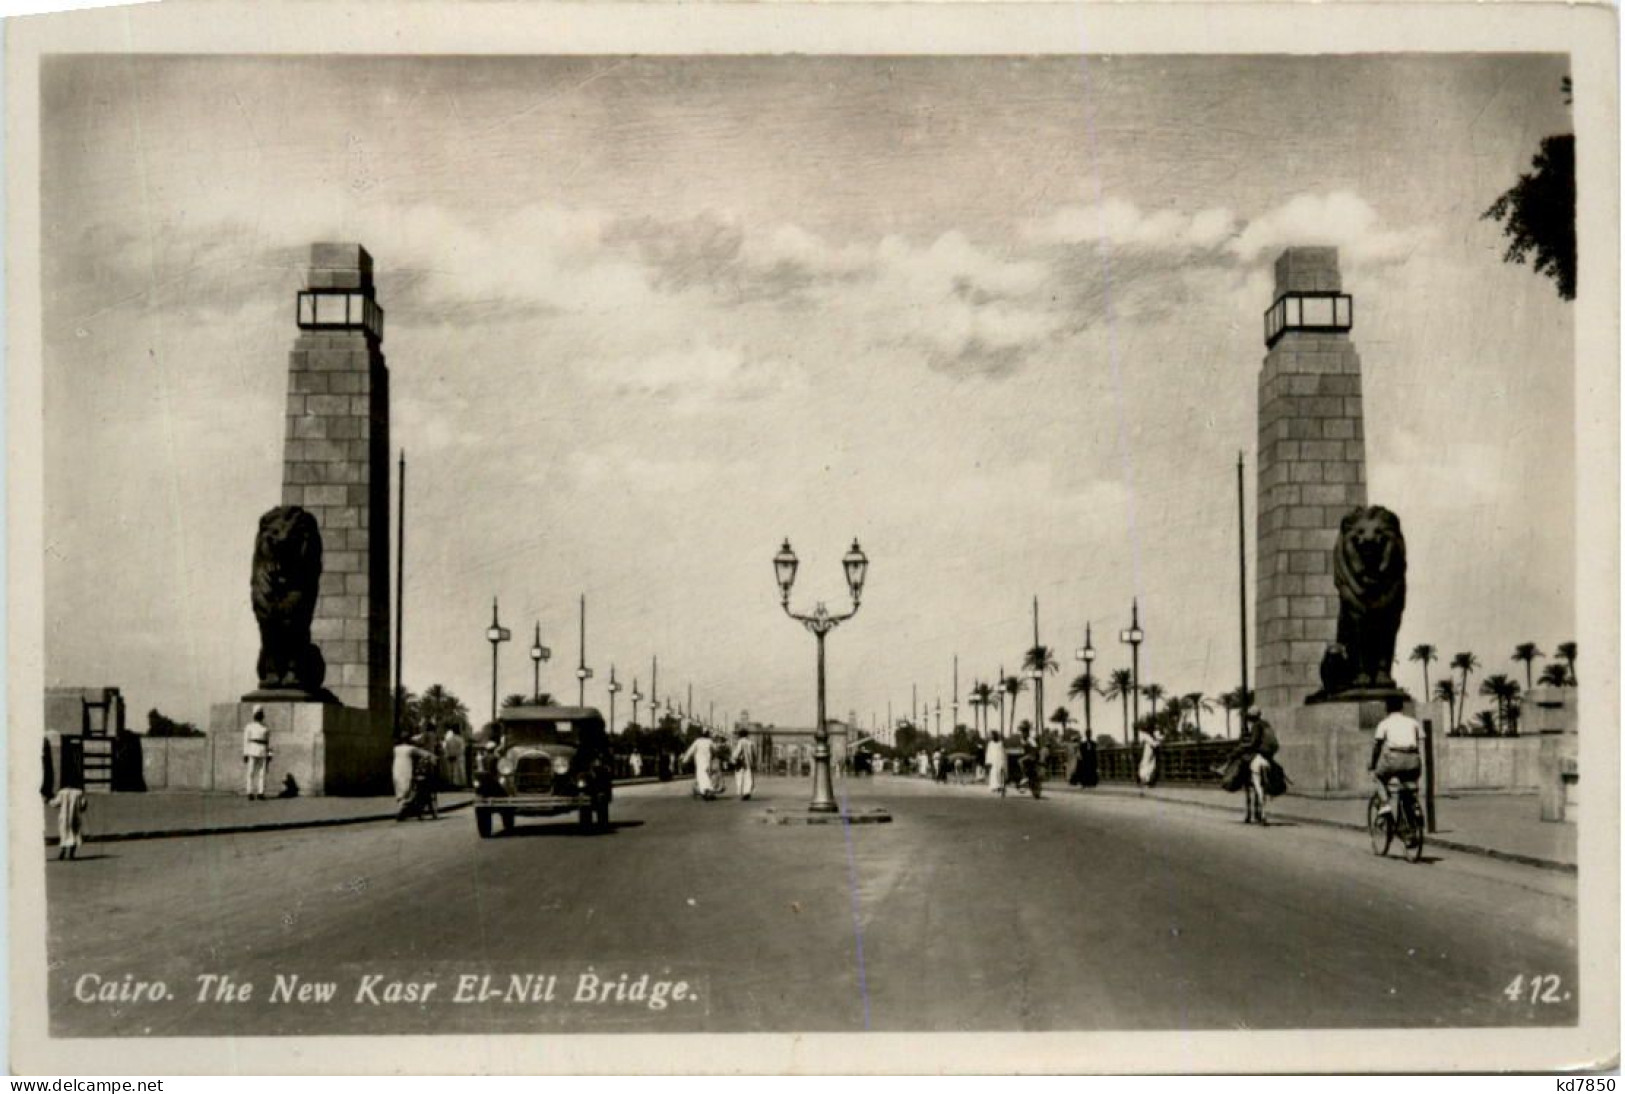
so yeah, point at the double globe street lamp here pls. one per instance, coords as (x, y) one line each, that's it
(820, 623)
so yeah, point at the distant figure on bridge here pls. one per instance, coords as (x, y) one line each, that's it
(637, 764)
(1088, 760)
(744, 761)
(70, 805)
(451, 758)
(701, 753)
(997, 769)
(1148, 757)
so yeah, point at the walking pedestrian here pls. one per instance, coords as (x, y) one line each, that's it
(70, 806)
(256, 754)
(1088, 760)
(701, 752)
(997, 771)
(406, 756)
(1148, 757)
(637, 764)
(744, 760)
(451, 758)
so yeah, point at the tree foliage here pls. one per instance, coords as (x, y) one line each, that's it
(1537, 213)
(159, 725)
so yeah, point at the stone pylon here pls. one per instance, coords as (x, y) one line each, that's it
(336, 465)
(1311, 469)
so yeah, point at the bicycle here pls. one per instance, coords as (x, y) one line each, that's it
(1404, 820)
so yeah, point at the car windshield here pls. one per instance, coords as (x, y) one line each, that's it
(584, 732)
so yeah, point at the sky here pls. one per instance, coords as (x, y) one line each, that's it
(999, 318)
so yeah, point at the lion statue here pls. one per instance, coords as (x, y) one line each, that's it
(1368, 567)
(287, 579)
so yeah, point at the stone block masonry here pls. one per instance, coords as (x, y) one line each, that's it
(1311, 471)
(336, 465)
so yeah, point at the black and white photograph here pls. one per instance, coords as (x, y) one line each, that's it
(813, 528)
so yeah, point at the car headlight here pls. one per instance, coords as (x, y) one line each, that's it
(581, 782)
(505, 766)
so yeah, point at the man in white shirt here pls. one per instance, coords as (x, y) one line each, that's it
(1396, 750)
(256, 753)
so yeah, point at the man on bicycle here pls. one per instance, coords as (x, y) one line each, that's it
(1396, 750)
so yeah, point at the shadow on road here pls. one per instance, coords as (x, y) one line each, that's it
(527, 831)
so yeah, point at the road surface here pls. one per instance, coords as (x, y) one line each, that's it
(968, 912)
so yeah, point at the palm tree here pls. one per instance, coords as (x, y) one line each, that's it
(1084, 687)
(1120, 686)
(1063, 718)
(1038, 661)
(444, 709)
(980, 696)
(1527, 652)
(1445, 692)
(1230, 701)
(1554, 675)
(1464, 662)
(1567, 651)
(1426, 654)
(1153, 692)
(1503, 689)
(514, 700)
(1483, 724)
(1195, 703)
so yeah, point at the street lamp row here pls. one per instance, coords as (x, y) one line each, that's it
(497, 634)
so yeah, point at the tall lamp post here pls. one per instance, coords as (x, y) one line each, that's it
(636, 697)
(583, 673)
(1086, 654)
(820, 623)
(538, 654)
(612, 687)
(496, 634)
(1133, 637)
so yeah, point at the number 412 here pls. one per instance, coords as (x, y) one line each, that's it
(1541, 989)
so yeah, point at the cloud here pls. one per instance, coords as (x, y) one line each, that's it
(1340, 219)
(702, 377)
(1121, 223)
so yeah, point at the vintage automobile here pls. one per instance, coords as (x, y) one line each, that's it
(543, 761)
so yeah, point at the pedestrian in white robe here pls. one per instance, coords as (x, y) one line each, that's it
(701, 753)
(406, 756)
(997, 765)
(70, 806)
(744, 760)
(1148, 758)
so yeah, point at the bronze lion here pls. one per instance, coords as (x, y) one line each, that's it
(1368, 567)
(286, 582)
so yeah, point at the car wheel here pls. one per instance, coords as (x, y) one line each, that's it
(482, 821)
(507, 820)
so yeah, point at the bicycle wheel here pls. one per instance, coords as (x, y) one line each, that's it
(1413, 829)
(1378, 826)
